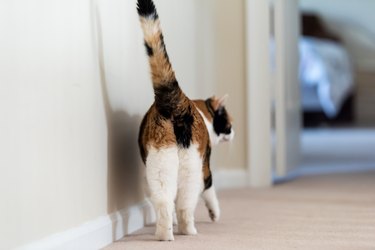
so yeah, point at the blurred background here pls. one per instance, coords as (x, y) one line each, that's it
(341, 37)
(74, 85)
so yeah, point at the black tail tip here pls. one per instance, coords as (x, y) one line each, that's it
(146, 8)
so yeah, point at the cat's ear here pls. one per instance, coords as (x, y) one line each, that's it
(219, 103)
(215, 102)
(222, 101)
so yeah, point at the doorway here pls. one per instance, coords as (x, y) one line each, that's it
(337, 79)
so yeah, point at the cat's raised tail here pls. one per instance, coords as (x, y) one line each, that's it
(167, 91)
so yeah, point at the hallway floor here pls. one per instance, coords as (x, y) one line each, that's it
(338, 150)
(314, 212)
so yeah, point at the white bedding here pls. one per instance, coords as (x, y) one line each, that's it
(326, 75)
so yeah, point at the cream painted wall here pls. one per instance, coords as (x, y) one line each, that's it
(53, 133)
(353, 20)
(56, 149)
(223, 36)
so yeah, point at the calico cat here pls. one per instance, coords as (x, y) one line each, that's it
(175, 139)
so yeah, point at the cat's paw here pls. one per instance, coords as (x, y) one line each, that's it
(214, 214)
(164, 234)
(187, 230)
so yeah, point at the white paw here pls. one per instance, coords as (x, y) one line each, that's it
(187, 229)
(214, 214)
(163, 234)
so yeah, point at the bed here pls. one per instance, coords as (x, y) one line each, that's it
(326, 75)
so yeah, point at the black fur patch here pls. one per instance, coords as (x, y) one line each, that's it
(163, 46)
(221, 122)
(146, 8)
(149, 50)
(167, 97)
(208, 182)
(182, 125)
(207, 156)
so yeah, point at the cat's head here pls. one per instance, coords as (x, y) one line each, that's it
(220, 122)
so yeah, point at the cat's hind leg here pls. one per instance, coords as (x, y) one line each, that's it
(189, 188)
(162, 168)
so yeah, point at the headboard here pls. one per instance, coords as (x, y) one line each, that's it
(313, 26)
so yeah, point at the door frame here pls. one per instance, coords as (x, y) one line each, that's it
(261, 95)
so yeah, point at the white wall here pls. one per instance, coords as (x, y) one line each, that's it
(353, 20)
(57, 131)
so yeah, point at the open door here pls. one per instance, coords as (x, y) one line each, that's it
(287, 88)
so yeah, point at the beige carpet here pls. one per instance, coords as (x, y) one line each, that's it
(316, 212)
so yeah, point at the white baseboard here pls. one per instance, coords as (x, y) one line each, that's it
(107, 229)
(98, 233)
(229, 179)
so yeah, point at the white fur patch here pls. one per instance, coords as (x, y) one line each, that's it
(212, 203)
(214, 138)
(150, 27)
(161, 172)
(229, 137)
(174, 174)
(190, 186)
